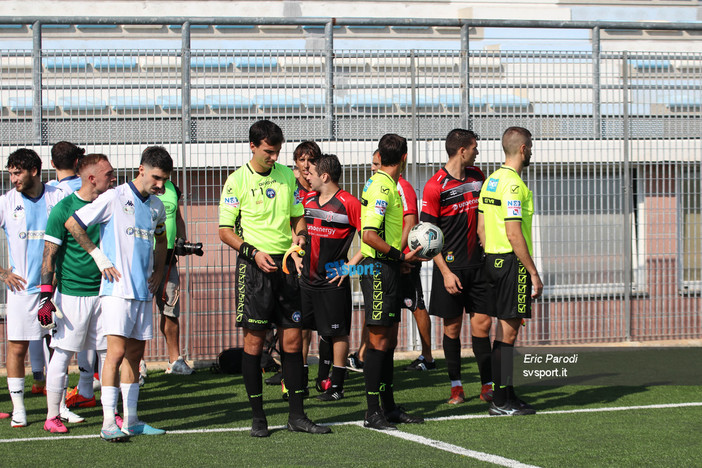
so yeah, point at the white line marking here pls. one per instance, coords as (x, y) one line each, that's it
(482, 456)
(360, 423)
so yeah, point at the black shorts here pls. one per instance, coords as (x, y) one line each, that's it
(330, 309)
(473, 298)
(510, 285)
(381, 292)
(264, 299)
(411, 289)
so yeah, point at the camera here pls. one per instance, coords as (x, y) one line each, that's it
(182, 248)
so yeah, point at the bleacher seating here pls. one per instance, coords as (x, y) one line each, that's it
(82, 104)
(132, 103)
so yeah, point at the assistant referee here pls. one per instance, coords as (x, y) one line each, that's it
(504, 226)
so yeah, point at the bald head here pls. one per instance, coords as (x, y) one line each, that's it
(513, 139)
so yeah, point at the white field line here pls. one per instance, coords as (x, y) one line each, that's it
(360, 423)
(437, 444)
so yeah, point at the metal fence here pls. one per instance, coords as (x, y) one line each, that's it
(615, 172)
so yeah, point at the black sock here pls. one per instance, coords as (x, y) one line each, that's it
(501, 371)
(251, 370)
(325, 358)
(482, 351)
(372, 374)
(305, 376)
(508, 370)
(452, 352)
(293, 371)
(337, 378)
(387, 394)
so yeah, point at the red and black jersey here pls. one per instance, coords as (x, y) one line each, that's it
(452, 205)
(302, 195)
(331, 228)
(409, 201)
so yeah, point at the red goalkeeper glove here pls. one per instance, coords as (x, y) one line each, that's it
(46, 307)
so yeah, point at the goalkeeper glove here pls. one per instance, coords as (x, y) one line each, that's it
(46, 307)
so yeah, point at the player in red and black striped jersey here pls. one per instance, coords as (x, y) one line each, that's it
(450, 200)
(333, 216)
(303, 154)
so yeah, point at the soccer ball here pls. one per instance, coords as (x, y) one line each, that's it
(429, 237)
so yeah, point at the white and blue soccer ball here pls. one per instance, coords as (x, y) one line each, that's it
(429, 237)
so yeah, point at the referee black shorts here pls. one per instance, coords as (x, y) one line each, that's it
(474, 297)
(264, 299)
(510, 285)
(330, 308)
(381, 292)
(411, 289)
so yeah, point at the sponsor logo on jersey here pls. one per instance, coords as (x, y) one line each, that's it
(492, 184)
(139, 233)
(381, 207)
(368, 184)
(231, 201)
(31, 235)
(270, 193)
(298, 196)
(499, 262)
(514, 208)
(514, 189)
(384, 190)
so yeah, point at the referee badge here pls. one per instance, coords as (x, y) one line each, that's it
(449, 257)
(499, 262)
(296, 316)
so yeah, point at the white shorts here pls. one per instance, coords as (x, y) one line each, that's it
(22, 322)
(130, 318)
(81, 325)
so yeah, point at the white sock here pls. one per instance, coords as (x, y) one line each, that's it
(109, 404)
(16, 387)
(86, 364)
(56, 382)
(130, 396)
(456, 383)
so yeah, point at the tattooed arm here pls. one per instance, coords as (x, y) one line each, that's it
(48, 263)
(109, 272)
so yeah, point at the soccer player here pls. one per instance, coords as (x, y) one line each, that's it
(64, 158)
(169, 310)
(504, 226)
(303, 154)
(24, 211)
(381, 223)
(77, 286)
(450, 200)
(256, 211)
(129, 217)
(333, 217)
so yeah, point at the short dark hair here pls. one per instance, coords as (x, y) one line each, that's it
(90, 160)
(309, 148)
(391, 148)
(65, 154)
(328, 164)
(459, 138)
(24, 158)
(158, 157)
(265, 130)
(513, 137)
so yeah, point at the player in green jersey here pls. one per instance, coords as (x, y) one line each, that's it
(381, 224)
(77, 284)
(504, 226)
(256, 211)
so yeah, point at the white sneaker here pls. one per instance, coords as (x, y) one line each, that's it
(96, 384)
(142, 369)
(19, 419)
(69, 416)
(179, 367)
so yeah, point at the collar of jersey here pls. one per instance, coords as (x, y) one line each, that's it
(387, 175)
(136, 192)
(509, 169)
(70, 177)
(34, 200)
(248, 165)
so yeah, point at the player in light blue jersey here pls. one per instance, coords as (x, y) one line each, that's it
(24, 211)
(131, 217)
